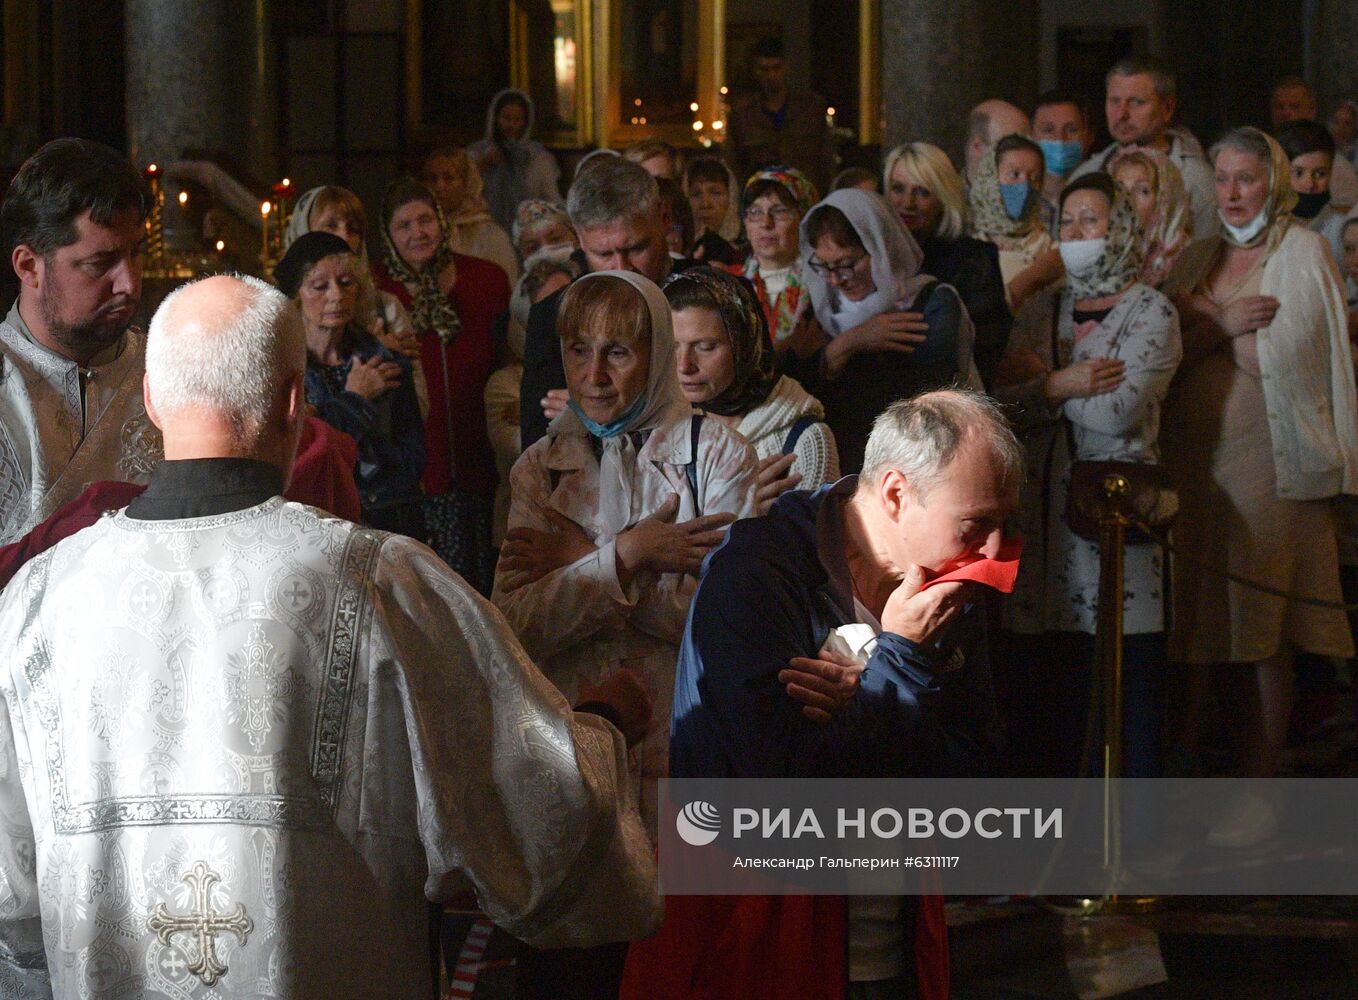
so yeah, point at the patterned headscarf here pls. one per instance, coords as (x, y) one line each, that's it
(1281, 198)
(1170, 227)
(743, 319)
(787, 308)
(430, 308)
(535, 211)
(989, 221)
(1119, 265)
(797, 183)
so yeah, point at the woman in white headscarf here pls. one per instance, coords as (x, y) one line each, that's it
(1261, 431)
(513, 165)
(612, 512)
(1087, 369)
(889, 331)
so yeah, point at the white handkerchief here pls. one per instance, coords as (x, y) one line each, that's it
(855, 640)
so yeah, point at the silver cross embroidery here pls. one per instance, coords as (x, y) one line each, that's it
(203, 923)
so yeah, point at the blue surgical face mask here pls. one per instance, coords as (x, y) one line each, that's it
(1060, 156)
(1016, 199)
(614, 427)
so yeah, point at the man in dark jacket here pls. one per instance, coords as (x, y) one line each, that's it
(940, 477)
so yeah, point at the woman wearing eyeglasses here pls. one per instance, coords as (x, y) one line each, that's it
(889, 331)
(773, 206)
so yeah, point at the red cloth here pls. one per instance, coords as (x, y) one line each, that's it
(322, 476)
(766, 948)
(1000, 572)
(480, 295)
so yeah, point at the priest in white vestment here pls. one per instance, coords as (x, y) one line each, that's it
(70, 369)
(243, 743)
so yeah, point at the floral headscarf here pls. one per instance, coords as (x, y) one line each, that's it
(797, 183)
(1119, 265)
(989, 221)
(743, 319)
(533, 212)
(1170, 227)
(787, 307)
(430, 308)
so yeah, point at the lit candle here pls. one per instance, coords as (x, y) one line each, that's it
(221, 245)
(183, 198)
(830, 117)
(264, 210)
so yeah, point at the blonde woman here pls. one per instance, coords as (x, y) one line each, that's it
(925, 190)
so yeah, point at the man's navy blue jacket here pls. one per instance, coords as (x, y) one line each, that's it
(774, 590)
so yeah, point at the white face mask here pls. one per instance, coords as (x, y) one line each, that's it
(1080, 256)
(1243, 236)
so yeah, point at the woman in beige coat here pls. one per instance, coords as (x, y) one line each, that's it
(612, 512)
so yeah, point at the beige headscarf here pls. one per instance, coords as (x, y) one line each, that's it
(1170, 227)
(1281, 198)
(989, 220)
(1119, 265)
(661, 404)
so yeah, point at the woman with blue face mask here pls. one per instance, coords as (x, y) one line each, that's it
(1260, 432)
(1006, 209)
(613, 510)
(1088, 368)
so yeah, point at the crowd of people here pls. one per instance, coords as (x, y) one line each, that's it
(671, 427)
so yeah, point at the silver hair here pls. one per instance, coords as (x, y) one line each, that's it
(231, 360)
(920, 437)
(1162, 77)
(614, 189)
(1244, 139)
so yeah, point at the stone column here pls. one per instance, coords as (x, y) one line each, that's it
(942, 57)
(1334, 53)
(200, 75)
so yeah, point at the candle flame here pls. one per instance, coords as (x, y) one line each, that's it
(221, 245)
(693, 106)
(718, 125)
(697, 126)
(183, 197)
(265, 208)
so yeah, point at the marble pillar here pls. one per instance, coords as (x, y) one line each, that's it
(942, 57)
(200, 75)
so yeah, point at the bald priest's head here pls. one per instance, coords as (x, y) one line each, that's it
(225, 358)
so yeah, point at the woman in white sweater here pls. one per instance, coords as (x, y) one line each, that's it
(724, 358)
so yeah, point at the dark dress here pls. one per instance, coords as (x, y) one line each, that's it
(973, 268)
(872, 380)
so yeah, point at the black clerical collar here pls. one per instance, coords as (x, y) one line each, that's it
(204, 487)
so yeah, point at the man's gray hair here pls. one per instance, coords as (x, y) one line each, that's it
(1162, 77)
(612, 190)
(231, 357)
(920, 437)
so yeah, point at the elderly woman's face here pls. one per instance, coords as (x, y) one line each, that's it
(605, 372)
(1136, 180)
(917, 205)
(328, 294)
(550, 233)
(847, 269)
(702, 354)
(415, 233)
(1241, 185)
(1084, 215)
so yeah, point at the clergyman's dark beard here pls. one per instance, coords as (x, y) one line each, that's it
(86, 338)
